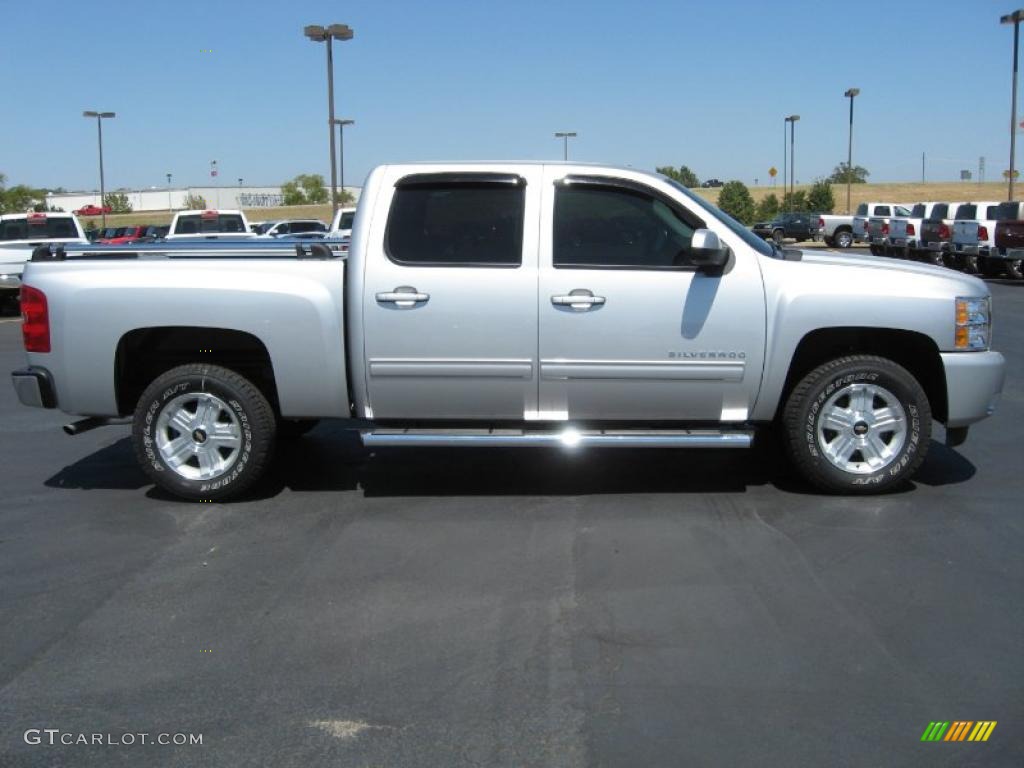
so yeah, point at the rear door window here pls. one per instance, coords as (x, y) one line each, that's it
(457, 220)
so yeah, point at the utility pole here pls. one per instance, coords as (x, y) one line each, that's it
(922, 167)
(1015, 19)
(850, 94)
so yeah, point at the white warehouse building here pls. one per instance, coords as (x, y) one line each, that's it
(173, 198)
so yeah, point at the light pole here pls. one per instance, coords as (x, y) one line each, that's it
(1015, 19)
(342, 122)
(169, 206)
(213, 177)
(99, 132)
(319, 34)
(792, 153)
(565, 136)
(850, 94)
(785, 164)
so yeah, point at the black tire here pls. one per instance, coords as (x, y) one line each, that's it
(293, 429)
(804, 409)
(991, 267)
(245, 407)
(843, 238)
(829, 241)
(968, 263)
(933, 257)
(876, 250)
(778, 236)
(1014, 269)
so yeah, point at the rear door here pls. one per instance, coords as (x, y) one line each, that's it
(450, 296)
(629, 329)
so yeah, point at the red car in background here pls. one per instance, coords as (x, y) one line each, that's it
(92, 210)
(126, 235)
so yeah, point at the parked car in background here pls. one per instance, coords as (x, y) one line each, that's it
(290, 227)
(878, 228)
(155, 232)
(792, 226)
(937, 234)
(1007, 251)
(836, 229)
(512, 304)
(126, 235)
(974, 230)
(209, 225)
(905, 231)
(866, 211)
(92, 210)
(712, 183)
(341, 225)
(20, 232)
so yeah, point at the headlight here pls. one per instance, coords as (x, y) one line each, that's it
(973, 323)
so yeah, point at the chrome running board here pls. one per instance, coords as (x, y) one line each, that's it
(564, 438)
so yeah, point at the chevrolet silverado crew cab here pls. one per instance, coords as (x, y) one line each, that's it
(209, 225)
(513, 305)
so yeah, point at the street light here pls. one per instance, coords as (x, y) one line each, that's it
(99, 132)
(342, 122)
(792, 152)
(169, 206)
(565, 136)
(850, 94)
(319, 34)
(1015, 19)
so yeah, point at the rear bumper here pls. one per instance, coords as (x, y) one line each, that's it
(1006, 253)
(969, 249)
(10, 281)
(974, 381)
(935, 246)
(34, 387)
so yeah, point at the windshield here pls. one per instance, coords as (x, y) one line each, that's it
(39, 228)
(307, 226)
(755, 242)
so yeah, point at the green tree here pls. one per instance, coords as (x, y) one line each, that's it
(768, 208)
(735, 200)
(795, 202)
(842, 173)
(118, 202)
(684, 175)
(305, 189)
(819, 198)
(194, 202)
(20, 198)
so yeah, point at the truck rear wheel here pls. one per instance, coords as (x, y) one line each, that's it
(844, 238)
(857, 425)
(203, 432)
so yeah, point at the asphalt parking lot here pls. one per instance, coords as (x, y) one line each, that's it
(503, 608)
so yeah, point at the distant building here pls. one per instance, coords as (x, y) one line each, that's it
(174, 198)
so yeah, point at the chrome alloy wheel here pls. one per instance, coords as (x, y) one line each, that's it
(198, 436)
(862, 428)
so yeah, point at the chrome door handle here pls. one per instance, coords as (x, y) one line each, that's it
(580, 300)
(404, 296)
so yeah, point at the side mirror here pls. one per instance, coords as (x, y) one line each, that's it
(707, 252)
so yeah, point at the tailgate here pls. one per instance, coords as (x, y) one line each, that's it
(965, 232)
(930, 230)
(898, 229)
(877, 228)
(1010, 234)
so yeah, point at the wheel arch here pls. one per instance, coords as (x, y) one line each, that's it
(914, 351)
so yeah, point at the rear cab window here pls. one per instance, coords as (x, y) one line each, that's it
(200, 223)
(37, 227)
(966, 211)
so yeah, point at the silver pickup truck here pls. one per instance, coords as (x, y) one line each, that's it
(510, 305)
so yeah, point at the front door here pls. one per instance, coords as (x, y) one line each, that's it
(450, 297)
(629, 329)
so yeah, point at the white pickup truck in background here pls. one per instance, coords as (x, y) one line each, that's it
(20, 233)
(836, 230)
(341, 226)
(974, 231)
(209, 225)
(866, 211)
(905, 231)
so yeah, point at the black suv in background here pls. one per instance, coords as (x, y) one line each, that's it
(795, 226)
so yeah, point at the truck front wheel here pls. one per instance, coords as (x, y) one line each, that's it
(203, 432)
(857, 425)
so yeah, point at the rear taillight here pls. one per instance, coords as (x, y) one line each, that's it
(885, 228)
(910, 229)
(944, 232)
(982, 233)
(35, 320)
(821, 223)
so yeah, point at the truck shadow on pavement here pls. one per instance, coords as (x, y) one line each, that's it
(332, 459)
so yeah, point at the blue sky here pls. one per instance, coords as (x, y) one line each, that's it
(704, 84)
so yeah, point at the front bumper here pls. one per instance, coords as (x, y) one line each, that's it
(974, 381)
(34, 387)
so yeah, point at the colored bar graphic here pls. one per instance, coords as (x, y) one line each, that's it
(958, 730)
